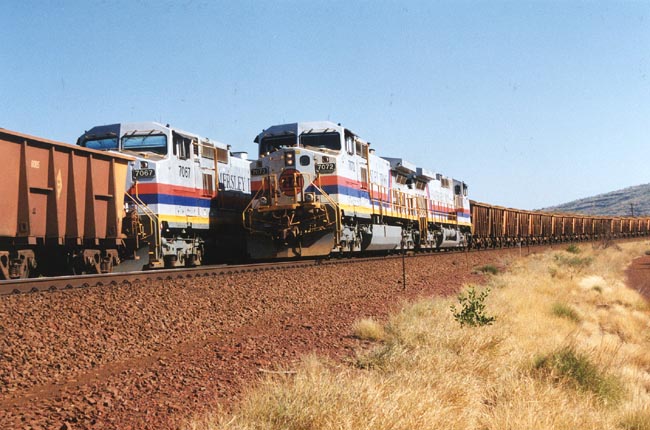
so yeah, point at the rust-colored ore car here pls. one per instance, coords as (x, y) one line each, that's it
(62, 207)
(496, 226)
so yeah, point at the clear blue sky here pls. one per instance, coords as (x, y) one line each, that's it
(531, 103)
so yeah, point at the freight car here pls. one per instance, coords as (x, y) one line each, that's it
(185, 193)
(495, 226)
(319, 189)
(61, 207)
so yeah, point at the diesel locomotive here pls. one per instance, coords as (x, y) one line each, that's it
(318, 188)
(184, 193)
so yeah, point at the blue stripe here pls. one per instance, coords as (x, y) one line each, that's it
(341, 189)
(168, 199)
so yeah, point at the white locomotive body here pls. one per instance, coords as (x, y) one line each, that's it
(319, 189)
(185, 191)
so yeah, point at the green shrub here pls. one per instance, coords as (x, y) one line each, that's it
(576, 369)
(488, 269)
(564, 311)
(472, 310)
(573, 249)
(572, 262)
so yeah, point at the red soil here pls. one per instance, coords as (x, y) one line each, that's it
(149, 356)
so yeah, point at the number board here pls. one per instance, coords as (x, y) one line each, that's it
(325, 167)
(143, 173)
(259, 171)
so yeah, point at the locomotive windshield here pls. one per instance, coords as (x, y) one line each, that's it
(104, 143)
(273, 143)
(321, 140)
(156, 143)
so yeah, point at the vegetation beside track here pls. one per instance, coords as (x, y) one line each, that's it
(568, 349)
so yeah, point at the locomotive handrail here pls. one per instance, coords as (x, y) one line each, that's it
(333, 203)
(154, 221)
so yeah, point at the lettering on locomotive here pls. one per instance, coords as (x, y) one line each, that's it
(234, 182)
(184, 172)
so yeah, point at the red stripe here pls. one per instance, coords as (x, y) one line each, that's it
(174, 190)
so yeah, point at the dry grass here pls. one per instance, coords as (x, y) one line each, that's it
(368, 329)
(569, 350)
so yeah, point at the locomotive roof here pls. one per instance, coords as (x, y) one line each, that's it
(300, 128)
(401, 165)
(120, 129)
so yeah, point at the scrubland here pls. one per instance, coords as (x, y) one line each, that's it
(569, 348)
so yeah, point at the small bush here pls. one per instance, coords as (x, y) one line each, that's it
(488, 269)
(573, 249)
(576, 369)
(573, 262)
(472, 310)
(598, 288)
(563, 311)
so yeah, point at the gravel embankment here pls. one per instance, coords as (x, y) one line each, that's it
(150, 355)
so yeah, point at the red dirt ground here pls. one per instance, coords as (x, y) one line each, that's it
(638, 276)
(149, 356)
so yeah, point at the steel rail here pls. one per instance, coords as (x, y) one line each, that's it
(45, 284)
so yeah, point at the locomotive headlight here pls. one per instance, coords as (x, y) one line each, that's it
(263, 201)
(289, 158)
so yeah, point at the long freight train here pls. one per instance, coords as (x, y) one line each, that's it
(163, 197)
(318, 189)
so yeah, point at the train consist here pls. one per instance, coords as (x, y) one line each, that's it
(162, 197)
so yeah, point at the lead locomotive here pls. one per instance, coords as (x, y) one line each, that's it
(319, 189)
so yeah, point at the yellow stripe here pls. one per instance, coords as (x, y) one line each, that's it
(185, 219)
(396, 214)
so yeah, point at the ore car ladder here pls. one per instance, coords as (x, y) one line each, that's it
(154, 225)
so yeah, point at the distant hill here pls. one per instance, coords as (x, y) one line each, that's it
(615, 203)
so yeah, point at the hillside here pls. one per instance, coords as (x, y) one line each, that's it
(617, 203)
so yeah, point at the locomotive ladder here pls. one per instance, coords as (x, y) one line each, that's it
(154, 224)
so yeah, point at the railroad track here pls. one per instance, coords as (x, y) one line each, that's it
(45, 284)
(34, 285)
